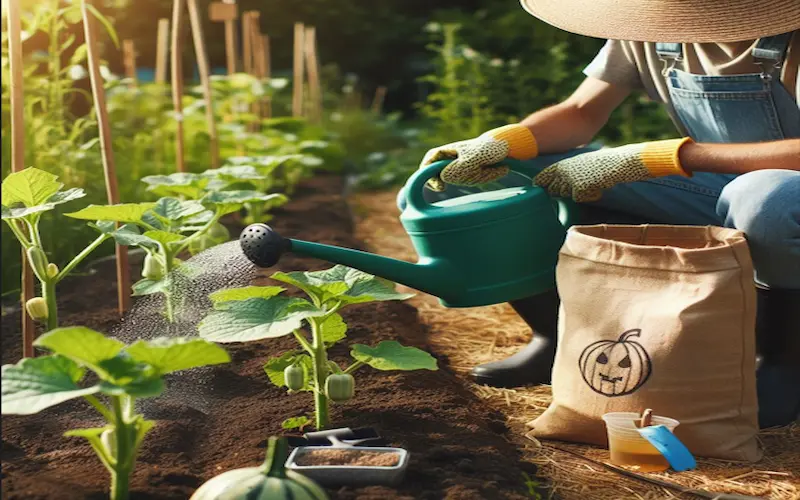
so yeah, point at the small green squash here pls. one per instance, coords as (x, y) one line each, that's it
(271, 481)
(340, 387)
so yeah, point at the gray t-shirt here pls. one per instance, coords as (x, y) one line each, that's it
(635, 65)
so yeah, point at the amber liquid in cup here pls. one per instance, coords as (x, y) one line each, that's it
(640, 456)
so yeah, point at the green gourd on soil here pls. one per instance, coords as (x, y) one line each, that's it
(270, 481)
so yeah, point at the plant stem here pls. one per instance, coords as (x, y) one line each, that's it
(355, 366)
(320, 357)
(49, 295)
(100, 407)
(168, 292)
(120, 476)
(79, 258)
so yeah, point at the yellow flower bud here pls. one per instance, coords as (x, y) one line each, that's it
(52, 270)
(37, 309)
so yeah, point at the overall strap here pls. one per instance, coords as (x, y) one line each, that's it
(669, 53)
(770, 52)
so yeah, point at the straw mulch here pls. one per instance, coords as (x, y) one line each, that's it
(473, 336)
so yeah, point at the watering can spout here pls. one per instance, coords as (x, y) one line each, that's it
(263, 246)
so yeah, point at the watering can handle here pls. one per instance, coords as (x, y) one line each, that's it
(565, 208)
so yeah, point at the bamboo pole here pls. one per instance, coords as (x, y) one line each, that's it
(123, 271)
(205, 73)
(18, 158)
(177, 81)
(377, 101)
(258, 59)
(162, 48)
(267, 69)
(312, 65)
(226, 12)
(129, 59)
(247, 42)
(297, 72)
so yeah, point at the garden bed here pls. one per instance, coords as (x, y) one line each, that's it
(458, 443)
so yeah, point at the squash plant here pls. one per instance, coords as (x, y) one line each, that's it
(26, 196)
(122, 372)
(169, 227)
(256, 313)
(189, 186)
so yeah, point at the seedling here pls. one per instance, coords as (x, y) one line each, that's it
(27, 195)
(123, 374)
(170, 226)
(255, 313)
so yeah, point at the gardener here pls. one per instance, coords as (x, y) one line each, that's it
(727, 73)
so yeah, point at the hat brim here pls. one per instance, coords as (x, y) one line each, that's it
(669, 20)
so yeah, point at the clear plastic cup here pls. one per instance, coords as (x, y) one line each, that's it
(628, 448)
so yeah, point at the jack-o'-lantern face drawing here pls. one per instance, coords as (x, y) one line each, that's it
(616, 368)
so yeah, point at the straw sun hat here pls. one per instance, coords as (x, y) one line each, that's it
(687, 21)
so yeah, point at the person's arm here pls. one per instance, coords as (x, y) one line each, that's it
(575, 121)
(740, 158)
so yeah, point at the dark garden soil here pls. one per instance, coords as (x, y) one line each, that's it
(458, 446)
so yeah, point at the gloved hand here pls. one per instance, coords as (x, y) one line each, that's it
(584, 177)
(476, 160)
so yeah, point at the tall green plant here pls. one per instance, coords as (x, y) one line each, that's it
(257, 313)
(122, 374)
(26, 196)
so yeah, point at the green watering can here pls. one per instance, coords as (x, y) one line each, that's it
(475, 250)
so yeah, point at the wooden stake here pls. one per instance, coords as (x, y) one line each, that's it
(227, 12)
(162, 49)
(314, 87)
(265, 58)
(259, 70)
(205, 72)
(247, 42)
(297, 72)
(129, 59)
(377, 101)
(18, 158)
(177, 81)
(123, 272)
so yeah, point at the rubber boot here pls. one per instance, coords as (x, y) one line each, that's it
(533, 364)
(778, 344)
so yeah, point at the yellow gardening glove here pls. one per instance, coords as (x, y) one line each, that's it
(584, 177)
(476, 160)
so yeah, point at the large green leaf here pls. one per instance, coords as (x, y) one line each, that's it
(181, 184)
(168, 355)
(123, 212)
(231, 201)
(148, 287)
(333, 329)
(126, 235)
(34, 384)
(342, 284)
(391, 355)
(163, 237)
(29, 187)
(82, 345)
(244, 293)
(274, 368)
(173, 209)
(58, 198)
(256, 319)
(234, 173)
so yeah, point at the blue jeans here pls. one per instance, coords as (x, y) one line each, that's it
(764, 204)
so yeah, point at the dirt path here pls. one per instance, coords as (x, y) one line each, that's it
(473, 336)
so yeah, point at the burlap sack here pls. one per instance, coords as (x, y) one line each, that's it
(659, 317)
